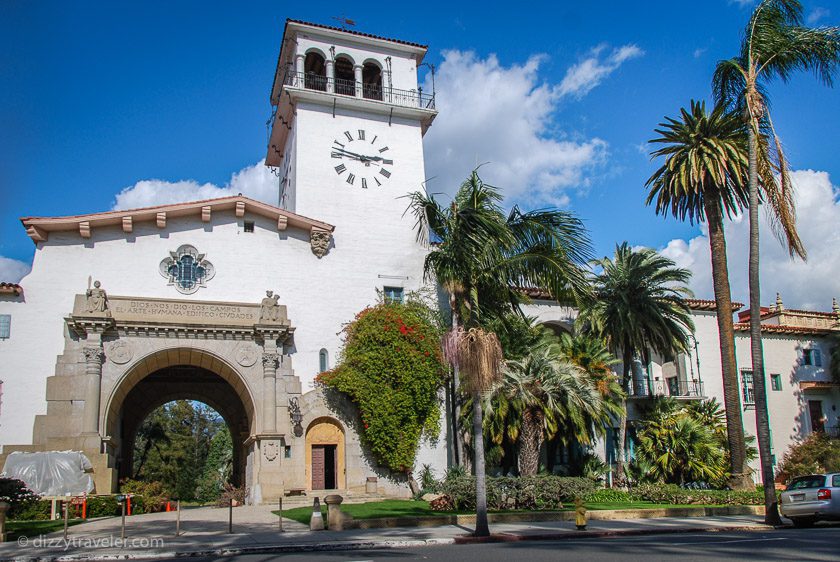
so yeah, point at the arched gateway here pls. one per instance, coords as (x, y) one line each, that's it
(125, 356)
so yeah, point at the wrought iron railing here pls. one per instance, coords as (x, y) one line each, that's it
(677, 389)
(343, 87)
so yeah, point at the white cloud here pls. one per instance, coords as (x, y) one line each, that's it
(742, 3)
(699, 52)
(12, 271)
(809, 285)
(582, 77)
(817, 14)
(503, 115)
(255, 181)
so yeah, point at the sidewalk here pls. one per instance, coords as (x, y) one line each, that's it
(255, 530)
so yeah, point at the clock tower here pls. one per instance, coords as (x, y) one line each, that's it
(347, 138)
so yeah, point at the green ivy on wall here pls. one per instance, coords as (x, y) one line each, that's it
(392, 370)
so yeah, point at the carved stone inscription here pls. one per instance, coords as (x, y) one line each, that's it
(171, 311)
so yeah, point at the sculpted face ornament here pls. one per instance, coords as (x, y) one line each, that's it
(187, 269)
(319, 240)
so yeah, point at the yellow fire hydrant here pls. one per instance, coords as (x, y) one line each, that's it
(580, 515)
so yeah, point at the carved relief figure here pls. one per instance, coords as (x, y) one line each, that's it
(270, 307)
(97, 299)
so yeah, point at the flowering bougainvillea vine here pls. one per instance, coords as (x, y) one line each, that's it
(392, 370)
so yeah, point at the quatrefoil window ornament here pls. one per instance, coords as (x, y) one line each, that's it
(187, 269)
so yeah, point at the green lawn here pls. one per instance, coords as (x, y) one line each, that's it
(31, 529)
(413, 508)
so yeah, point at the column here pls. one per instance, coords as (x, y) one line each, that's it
(93, 371)
(357, 69)
(270, 392)
(299, 69)
(330, 76)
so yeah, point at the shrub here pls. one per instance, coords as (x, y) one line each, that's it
(103, 506)
(152, 496)
(608, 495)
(543, 492)
(17, 494)
(673, 494)
(391, 369)
(231, 492)
(818, 453)
(38, 510)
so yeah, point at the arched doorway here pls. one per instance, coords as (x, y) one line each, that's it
(345, 76)
(372, 81)
(325, 462)
(315, 71)
(179, 374)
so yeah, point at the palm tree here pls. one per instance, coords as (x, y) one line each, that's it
(775, 44)
(704, 176)
(481, 257)
(554, 393)
(638, 307)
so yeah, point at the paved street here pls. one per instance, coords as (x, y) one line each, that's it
(821, 543)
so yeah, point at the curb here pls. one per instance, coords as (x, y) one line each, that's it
(384, 544)
(508, 537)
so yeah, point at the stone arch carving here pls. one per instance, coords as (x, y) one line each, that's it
(170, 357)
(326, 431)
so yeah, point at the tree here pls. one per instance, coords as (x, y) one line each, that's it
(554, 393)
(834, 359)
(775, 44)
(679, 447)
(479, 355)
(704, 176)
(638, 307)
(482, 257)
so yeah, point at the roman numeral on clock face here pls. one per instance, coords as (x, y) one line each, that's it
(383, 149)
(338, 143)
(377, 181)
(364, 183)
(351, 178)
(337, 155)
(361, 134)
(348, 135)
(385, 173)
(387, 162)
(340, 169)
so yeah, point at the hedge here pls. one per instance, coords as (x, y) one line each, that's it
(528, 492)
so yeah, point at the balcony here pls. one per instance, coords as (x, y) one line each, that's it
(672, 387)
(350, 88)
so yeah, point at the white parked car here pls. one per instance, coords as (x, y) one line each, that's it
(812, 498)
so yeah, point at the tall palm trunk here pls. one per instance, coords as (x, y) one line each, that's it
(481, 527)
(740, 478)
(627, 382)
(762, 417)
(530, 442)
(457, 436)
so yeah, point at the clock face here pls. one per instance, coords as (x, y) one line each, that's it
(361, 159)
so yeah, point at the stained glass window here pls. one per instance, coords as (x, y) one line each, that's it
(187, 269)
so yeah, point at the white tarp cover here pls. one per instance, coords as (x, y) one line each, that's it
(51, 473)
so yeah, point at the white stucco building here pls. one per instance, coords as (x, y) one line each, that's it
(186, 313)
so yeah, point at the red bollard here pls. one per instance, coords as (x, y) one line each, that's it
(128, 504)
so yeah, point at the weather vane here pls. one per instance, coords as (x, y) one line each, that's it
(344, 21)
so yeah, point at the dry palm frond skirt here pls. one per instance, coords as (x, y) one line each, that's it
(478, 355)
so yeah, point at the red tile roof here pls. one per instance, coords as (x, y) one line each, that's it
(784, 330)
(706, 304)
(353, 32)
(10, 289)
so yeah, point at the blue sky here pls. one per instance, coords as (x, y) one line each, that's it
(97, 97)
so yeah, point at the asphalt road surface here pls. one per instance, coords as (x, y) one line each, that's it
(820, 543)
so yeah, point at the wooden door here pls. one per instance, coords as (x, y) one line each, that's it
(816, 413)
(318, 467)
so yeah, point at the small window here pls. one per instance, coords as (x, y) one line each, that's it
(776, 382)
(835, 481)
(393, 295)
(249, 226)
(5, 326)
(288, 452)
(812, 357)
(747, 388)
(323, 360)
